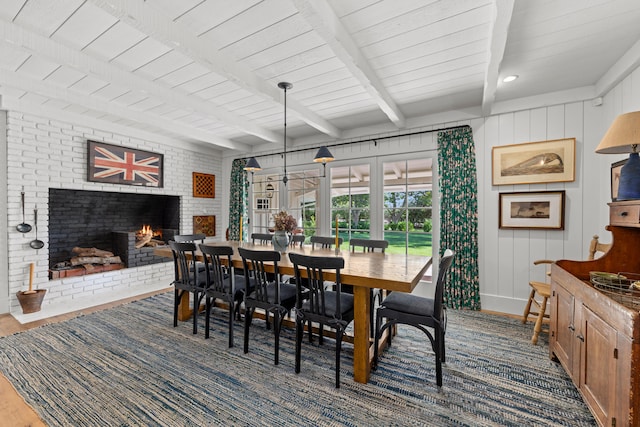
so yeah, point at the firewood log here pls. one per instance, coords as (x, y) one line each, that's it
(80, 260)
(91, 252)
(143, 241)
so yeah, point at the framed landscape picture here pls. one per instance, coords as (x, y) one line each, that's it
(615, 178)
(115, 164)
(534, 162)
(532, 210)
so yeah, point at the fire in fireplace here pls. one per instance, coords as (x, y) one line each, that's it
(147, 236)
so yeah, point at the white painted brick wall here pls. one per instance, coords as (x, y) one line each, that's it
(45, 154)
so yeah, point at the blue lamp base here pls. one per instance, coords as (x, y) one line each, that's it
(629, 188)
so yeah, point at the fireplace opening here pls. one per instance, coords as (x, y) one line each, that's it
(108, 222)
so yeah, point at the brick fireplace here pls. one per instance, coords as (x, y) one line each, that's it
(107, 221)
(45, 155)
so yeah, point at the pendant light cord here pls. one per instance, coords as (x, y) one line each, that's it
(285, 86)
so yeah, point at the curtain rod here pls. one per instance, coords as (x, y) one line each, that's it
(375, 140)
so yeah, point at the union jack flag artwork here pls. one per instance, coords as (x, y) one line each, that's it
(121, 165)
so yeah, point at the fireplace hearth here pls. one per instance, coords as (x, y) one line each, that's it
(108, 221)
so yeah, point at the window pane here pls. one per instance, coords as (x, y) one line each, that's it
(350, 201)
(265, 202)
(407, 205)
(302, 190)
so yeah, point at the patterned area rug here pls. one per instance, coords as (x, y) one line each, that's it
(127, 366)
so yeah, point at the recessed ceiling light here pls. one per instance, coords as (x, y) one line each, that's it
(509, 78)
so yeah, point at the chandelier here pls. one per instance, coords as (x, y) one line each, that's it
(322, 156)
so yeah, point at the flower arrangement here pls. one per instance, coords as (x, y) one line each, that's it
(284, 222)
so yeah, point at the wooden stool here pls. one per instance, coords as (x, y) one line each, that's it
(538, 290)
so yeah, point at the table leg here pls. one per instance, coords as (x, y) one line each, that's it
(184, 312)
(361, 342)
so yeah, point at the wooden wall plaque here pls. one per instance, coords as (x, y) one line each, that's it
(204, 224)
(204, 185)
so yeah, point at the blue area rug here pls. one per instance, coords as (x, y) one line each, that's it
(127, 366)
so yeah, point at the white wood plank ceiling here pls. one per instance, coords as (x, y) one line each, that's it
(207, 70)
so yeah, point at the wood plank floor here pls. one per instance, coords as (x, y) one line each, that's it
(12, 405)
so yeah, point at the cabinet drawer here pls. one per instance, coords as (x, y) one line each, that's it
(627, 215)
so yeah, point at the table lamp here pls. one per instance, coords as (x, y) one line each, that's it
(623, 137)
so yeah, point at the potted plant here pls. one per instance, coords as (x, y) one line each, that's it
(284, 225)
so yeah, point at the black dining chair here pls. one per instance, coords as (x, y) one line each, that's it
(420, 312)
(297, 240)
(187, 279)
(369, 245)
(324, 242)
(326, 307)
(272, 296)
(261, 238)
(197, 238)
(222, 284)
(190, 238)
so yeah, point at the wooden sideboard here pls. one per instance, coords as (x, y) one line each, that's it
(595, 338)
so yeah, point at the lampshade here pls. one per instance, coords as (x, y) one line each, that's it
(623, 134)
(623, 137)
(323, 155)
(252, 165)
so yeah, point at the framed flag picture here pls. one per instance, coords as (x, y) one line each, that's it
(115, 164)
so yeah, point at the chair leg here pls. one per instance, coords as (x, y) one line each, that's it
(538, 327)
(276, 331)
(207, 311)
(438, 351)
(231, 316)
(339, 334)
(176, 303)
(442, 346)
(196, 307)
(299, 333)
(376, 341)
(527, 308)
(372, 304)
(248, 314)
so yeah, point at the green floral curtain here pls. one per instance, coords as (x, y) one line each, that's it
(238, 200)
(459, 215)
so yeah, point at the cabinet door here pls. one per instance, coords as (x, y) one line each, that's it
(562, 332)
(598, 373)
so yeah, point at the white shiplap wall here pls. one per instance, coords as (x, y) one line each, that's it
(506, 256)
(44, 153)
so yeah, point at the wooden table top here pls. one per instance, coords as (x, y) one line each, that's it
(395, 272)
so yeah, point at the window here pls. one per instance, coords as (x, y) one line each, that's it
(407, 206)
(350, 201)
(299, 196)
(265, 202)
(302, 196)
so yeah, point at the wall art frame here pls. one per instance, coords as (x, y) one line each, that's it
(534, 162)
(205, 224)
(616, 167)
(204, 185)
(115, 164)
(532, 210)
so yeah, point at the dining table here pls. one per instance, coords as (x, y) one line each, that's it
(362, 270)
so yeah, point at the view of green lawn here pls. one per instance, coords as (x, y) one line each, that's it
(419, 243)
